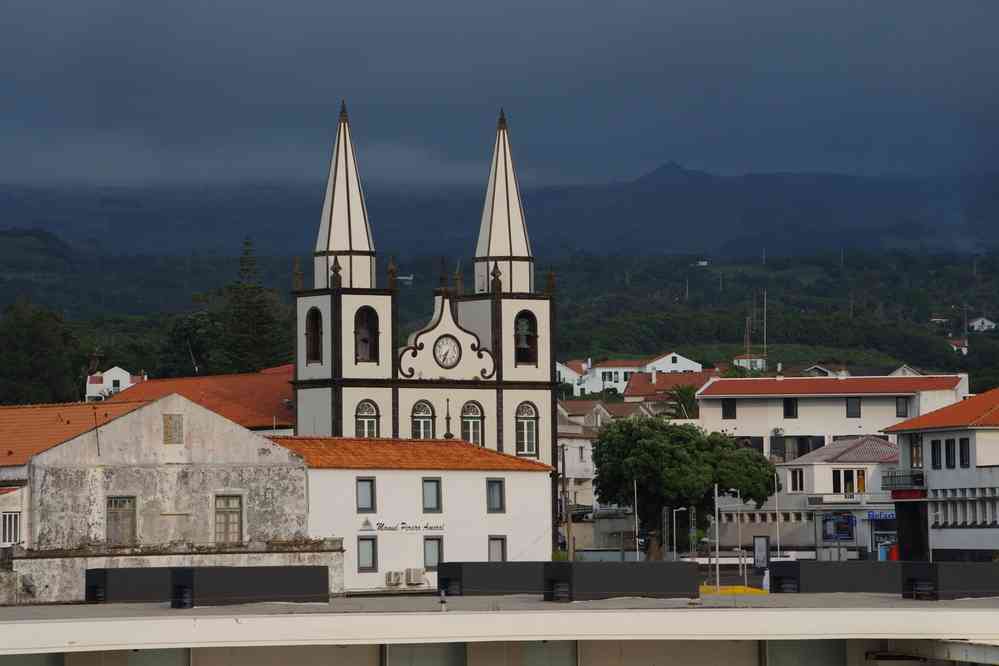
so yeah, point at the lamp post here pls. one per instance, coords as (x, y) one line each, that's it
(742, 567)
(676, 511)
(717, 545)
(777, 506)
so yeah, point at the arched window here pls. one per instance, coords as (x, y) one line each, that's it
(366, 419)
(527, 429)
(423, 420)
(366, 335)
(314, 336)
(471, 423)
(525, 339)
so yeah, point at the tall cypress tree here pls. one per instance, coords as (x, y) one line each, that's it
(253, 324)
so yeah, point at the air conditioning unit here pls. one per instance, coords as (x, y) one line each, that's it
(393, 578)
(414, 576)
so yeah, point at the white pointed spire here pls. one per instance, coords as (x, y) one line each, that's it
(344, 233)
(503, 237)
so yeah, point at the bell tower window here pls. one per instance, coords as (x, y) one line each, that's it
(314, 336)
(525, 343)
(366, 420)
(366, 335)
(423, 420)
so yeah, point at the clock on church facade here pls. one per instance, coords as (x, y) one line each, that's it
(482, 369)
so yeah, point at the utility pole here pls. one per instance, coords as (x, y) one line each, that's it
(635, 482)
(764, 323)
(686, 288)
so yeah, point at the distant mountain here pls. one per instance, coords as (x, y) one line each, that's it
(670, 209)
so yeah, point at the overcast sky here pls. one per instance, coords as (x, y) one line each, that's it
(110, 91)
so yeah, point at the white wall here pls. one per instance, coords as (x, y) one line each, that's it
(106, 386)
(673, 363)
(464, 522)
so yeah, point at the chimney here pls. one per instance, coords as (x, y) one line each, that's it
(654, 372)
(589, 363)
(780, 368)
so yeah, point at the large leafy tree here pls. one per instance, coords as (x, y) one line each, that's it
(675, 466)
(39, 357)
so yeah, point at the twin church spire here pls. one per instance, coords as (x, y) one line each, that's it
(345, 250)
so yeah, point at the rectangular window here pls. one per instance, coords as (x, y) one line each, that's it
(228, 519)
(916, 453)
(497, 549)
(367, 500)
(582, 453)
(617, 377)
(728, 408)
(115, 385)
(902, 407)
(495, 496)
(790, 408)
(527, 436)
(10, 528)
(950, 453)
(173, 428)
(837, 482)
(861, 481)
(121, 521)
(433, 552)
(797, 480)
(848, 481)
(965, 452)
(432, 496)
(853, 408)
(935, 453)
(367, 554)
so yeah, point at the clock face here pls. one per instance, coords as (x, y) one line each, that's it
(447, 351)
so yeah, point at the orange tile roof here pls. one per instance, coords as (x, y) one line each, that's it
(621, 363)
(840, 386)
(640, 384)
(980, 411)
(255, 400)
(420, 454)
(27, 430)
(576, 366)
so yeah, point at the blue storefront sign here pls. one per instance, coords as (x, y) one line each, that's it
(880, 515)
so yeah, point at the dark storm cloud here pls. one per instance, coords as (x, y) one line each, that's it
(227, 89)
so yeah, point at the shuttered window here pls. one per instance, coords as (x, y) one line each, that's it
(121, 521)
(228, 519)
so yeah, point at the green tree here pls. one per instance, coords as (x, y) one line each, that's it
(39, 355)
(675, 466)
(683, 402)
(254, 334)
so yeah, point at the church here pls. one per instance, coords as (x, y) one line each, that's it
(481, 370)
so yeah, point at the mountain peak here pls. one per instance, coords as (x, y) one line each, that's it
(670, 173)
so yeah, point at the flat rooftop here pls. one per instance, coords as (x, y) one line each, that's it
(419, 619)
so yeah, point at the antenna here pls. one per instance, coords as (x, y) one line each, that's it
(764, 322)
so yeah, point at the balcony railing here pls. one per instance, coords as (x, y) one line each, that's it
(903, 479)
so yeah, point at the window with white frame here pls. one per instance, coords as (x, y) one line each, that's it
(433, 552)
(527, 429)
(497, 549)
(10, 528)
(366, 420)
(471, 423)
(121, 521)
(423, 420)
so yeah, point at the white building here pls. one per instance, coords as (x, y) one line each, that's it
(571, 372)
(751, 362)
(102, 385)
(402, 507)
(613, 374)
(482, 369)
(946, 489)
(787, 417)
(830, 503)
(981, 325)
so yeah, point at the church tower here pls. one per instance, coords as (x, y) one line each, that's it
(503, 240)
(345, 323)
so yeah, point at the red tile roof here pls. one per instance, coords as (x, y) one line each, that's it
(980, 411)
(27, 430)
(576, 366)
(256, 400)
(288, 369)
(418, 454)
(621, 363)
(840, 386)
(640, 384)
(6, 490)
(866, 449)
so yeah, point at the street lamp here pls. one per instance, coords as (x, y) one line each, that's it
(742, 568)
(676, 511)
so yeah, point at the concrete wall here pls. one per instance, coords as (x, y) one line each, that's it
(174, 484)
(43, 580)
(464, 523)
(303, 655)
(668, 653)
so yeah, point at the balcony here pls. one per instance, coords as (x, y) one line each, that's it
(903, 480)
